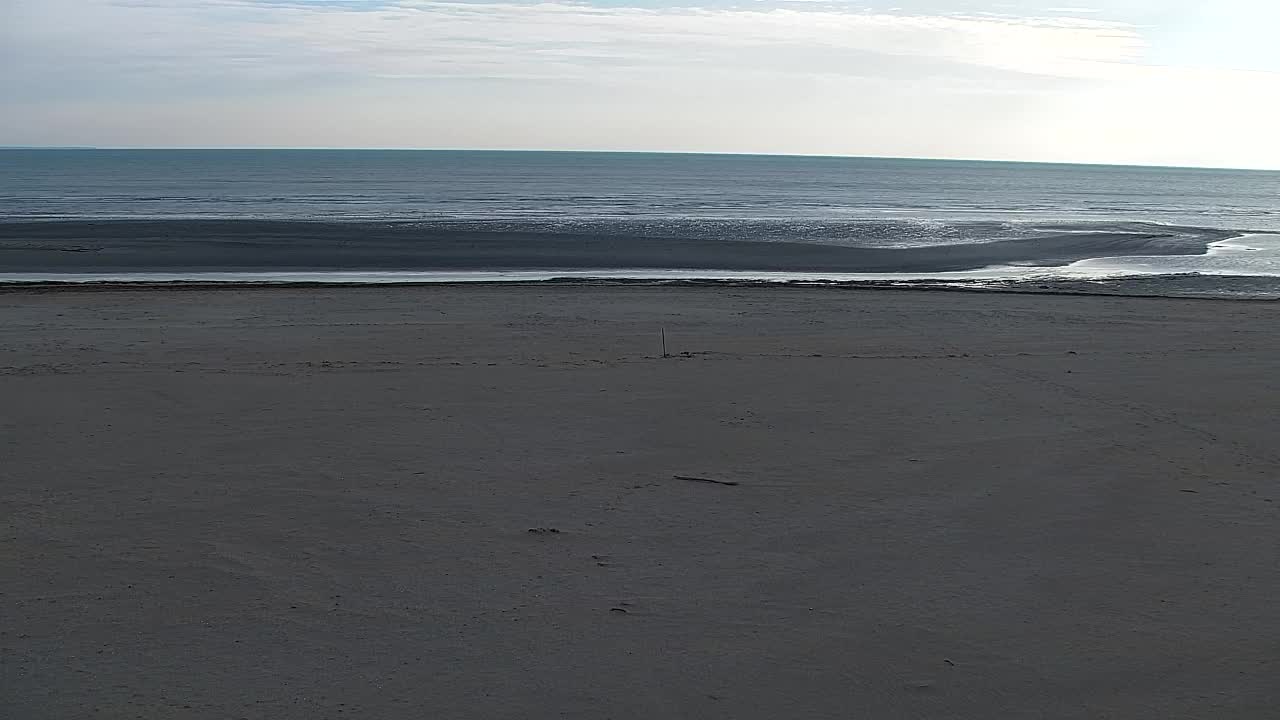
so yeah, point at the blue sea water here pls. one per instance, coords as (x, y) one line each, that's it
(382, 215)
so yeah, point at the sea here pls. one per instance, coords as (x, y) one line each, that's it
(395, 216)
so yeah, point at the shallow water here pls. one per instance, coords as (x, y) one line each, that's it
(386, 216)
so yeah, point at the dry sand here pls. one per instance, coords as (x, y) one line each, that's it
(317, 504)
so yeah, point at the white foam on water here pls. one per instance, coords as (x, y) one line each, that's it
(1249, 255)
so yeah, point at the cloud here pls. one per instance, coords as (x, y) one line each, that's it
(764, 77)
(272, 40)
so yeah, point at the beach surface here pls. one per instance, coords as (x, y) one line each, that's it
(491, 502)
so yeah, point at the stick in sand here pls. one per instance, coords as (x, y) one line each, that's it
(704, 480)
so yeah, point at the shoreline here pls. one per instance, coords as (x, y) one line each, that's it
(1269, 292)
(1241, 266)
(883, 247)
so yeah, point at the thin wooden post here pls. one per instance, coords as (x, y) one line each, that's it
(664, 343)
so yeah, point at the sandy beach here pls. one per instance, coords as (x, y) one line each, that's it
(463, 502)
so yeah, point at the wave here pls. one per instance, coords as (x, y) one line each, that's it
(1245, 268)
(781, 245)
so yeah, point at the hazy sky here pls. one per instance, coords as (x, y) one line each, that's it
(1175, 82)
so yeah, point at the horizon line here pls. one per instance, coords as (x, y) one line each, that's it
(627, 152)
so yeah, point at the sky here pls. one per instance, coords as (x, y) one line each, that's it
(1156, 82)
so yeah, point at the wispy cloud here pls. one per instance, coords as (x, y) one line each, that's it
(253, 40)
(757, 76)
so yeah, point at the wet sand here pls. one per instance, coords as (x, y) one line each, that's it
(288, 503)
(129, 246)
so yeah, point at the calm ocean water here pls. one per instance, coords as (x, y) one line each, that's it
(385, 215)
